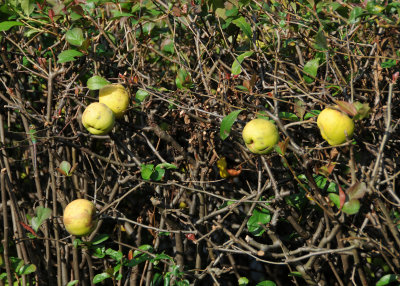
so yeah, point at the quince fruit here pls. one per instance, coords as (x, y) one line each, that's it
(335, 126)
(98, 119)
(260, 136)
(116, 97)
(79, 217)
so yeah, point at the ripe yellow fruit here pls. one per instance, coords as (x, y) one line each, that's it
(98, 119)
(79, 217)
(116, 97)
(260, 135)
(335, 126)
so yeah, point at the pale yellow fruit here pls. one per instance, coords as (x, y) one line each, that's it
(98, 119)
(260, 136)
(79, 217)
(335, 126)
(116, 97)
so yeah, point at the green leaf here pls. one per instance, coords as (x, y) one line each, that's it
(27, 269)
(68, 56)
(311, 68)
(65, 167)
(146, 170)
(116, 255)
(96, 82)
(389, 63)
(227, 123)
(236, 66)
(350, 207)
(118, 14)
(167, 166)
(259, 216)
(6, 25)
(320, 41)
(73, 282)
(100, 238)
(158, 173)
(141, 95)
(266, 283)
(387, 279)
(27, 6)
(100, 277)
(355, 13)
(183, 79)
(75, 37)
(244, 26)
(243, 281)
(41, 215)
(311, 114)
(373, 8)
(288, 115)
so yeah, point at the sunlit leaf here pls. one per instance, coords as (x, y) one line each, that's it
(236, 66)
(311, 68)
(41, 215)
(6, 25)
(96, 82)
(244, 26)
(258, 218)
(100, 277)
(75, 37)
(387, 279)
(227, 123)
(68, 56)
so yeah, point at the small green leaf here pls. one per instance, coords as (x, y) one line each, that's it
(167, 166)
(41, 215)
(243, 281)
(288, 115)
(389, 63)
(100, 238)
(27, 269)
(259, 216)
(266, 283)
(183, 79)
(96, 82)
(158, 173)
(116, 255)
(65, 166)
(27, 6)
(6, 25)
(311, 68)
(320, 41)
(244, 26)
(75, 37)
(387, 279)
(73, 282)
(100, 277)
(236, 66)
(227, 123)
(146, 170)
(350, 207)
(141, 95)
(68, 56)
(355, 13)
(118, 14)
(311, 114)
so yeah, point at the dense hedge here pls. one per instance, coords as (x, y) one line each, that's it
(170, 211)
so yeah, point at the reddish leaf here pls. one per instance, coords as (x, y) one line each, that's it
(130, 255)
(342, 197)
(395, 76)
(28, 228)
(357, 191)
(347, 107)
(191, 236)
